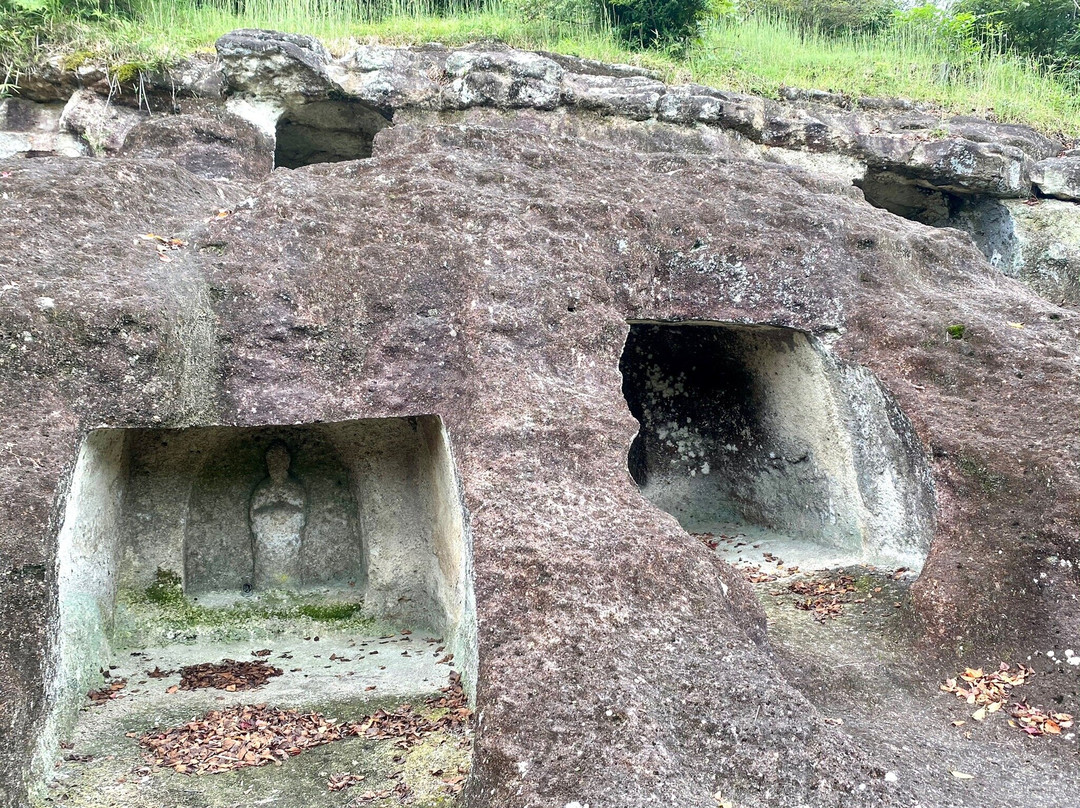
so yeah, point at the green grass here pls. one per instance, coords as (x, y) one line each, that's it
(757, 54)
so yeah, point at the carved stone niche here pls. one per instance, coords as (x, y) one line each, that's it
(760, 430)
(365, 510)
(371, 507)
(265, 509)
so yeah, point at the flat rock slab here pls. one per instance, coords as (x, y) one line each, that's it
(106, 767)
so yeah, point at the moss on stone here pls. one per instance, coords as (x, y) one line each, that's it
(128, 72)
(330, 611)
(161, 614)
(989, 482)
(167, 588)
(956, 331)
(73, 61)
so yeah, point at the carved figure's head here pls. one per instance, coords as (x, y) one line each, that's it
(277, 461)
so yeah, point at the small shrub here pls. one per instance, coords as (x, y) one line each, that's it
(1046, 29)
(832, 17)
(959, 33)
(653, 22)
(565, 12)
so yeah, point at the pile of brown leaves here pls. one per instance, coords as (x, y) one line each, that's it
(110, 691)
(756, 575)
(988, 691)
(240, 736)
(229, 675)
(823, 597)
(708, 539)
(339, 782)
(399, 789)
(1034, 721)
(255, 735)
(405, 727)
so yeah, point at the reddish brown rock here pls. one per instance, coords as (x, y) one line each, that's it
(488, 276)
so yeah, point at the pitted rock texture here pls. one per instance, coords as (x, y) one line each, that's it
(286, 84)
(487, 275)
(213, 144)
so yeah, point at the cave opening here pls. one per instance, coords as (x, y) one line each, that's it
(326, 132)
(758, 432)
(337, 554)
(987, 220)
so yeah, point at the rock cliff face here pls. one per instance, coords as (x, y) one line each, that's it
(484, 265)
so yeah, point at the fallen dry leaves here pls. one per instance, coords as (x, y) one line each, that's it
(240, 736)
(406, 728)
(823, 597)
(164, 245)
(110, 691)
(255, 735)
(1035, 721)
(990, 691)
(339, 782)
(985, 688)
(229, 675)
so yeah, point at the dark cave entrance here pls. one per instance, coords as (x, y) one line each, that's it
(757, 429)
(986, 219)
(326, 132)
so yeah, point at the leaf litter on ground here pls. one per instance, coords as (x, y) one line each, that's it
(257, 735)
(229, 675)
(823, 597)
(990, 691)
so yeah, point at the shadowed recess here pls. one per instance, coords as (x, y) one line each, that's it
(326, 132)
(759, 428)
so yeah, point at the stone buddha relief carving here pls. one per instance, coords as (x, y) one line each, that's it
(277, 515)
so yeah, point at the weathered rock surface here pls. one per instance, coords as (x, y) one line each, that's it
(271, 64)
(103, 126)
(1058, 177)
(485, 272)
(28, 129)
(487, 275)
(213, 144)
(1045, 252)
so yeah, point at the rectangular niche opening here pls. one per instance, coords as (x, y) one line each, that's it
(757, 432)
(326, 132)
(338, 551)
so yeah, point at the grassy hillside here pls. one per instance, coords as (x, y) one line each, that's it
(754, 54)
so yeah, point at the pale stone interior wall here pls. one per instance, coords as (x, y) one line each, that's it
(759, 425)
(88, 564)
(451, 579)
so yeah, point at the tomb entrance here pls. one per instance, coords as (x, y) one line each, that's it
(758, 436)
(326, 132)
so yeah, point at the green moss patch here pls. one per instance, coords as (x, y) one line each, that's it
(161, 614)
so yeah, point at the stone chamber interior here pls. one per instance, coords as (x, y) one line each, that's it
(189, 546)
(326, 132)
(757, 431)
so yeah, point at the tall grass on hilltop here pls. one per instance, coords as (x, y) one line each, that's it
(760, 54)
(755, 53)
